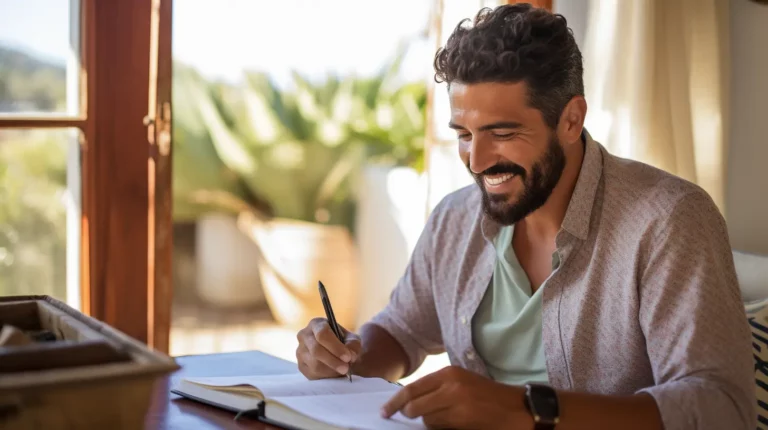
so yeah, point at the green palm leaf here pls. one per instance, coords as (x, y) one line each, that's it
(296, 152)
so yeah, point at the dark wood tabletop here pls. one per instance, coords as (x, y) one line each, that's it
(170, 411)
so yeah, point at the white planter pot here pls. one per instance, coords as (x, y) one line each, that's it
(391, 213)
(227, 264)
(295, 256)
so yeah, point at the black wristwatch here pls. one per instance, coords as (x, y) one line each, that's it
(541, 402)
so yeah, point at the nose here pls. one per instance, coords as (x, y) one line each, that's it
(481, 156)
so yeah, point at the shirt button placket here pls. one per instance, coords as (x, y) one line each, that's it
(469, 354)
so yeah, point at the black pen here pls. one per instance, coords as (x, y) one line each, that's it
(332, 320)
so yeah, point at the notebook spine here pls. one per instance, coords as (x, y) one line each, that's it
(259, 414)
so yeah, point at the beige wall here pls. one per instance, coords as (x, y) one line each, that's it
(747, 182)
(747, 190)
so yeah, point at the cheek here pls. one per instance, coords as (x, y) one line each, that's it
(521, 154)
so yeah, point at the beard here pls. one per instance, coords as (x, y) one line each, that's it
(538, 185)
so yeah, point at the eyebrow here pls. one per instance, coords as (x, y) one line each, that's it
(491, 126)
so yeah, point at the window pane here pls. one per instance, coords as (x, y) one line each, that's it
(35, 205)
(39, 61)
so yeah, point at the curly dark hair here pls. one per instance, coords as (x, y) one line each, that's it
(514, 43)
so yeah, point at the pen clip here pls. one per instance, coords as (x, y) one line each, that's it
(335, 324)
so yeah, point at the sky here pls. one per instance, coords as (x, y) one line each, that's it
(221, 38)
(40, 27)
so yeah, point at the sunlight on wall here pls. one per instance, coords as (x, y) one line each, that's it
(447, 173)
(408, 207)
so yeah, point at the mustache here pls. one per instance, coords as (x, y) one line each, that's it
(500, 169)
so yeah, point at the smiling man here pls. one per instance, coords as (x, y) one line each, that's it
(570, 288)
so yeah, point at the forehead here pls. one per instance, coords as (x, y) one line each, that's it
(489, 101)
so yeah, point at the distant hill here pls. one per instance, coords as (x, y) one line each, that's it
(29, 84)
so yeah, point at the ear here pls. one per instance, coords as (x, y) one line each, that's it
(572, 120)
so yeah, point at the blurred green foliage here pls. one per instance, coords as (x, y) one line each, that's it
(287, 152)
(32, 212)
(32, 180)
(30, 85)
(292, 152)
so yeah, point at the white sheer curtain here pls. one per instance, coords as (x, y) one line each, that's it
(656, 85)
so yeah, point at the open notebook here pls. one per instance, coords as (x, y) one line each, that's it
(291, 400)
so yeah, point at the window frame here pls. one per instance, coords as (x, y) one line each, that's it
(125, 158)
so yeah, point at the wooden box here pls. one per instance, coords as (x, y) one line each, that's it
(91, 377)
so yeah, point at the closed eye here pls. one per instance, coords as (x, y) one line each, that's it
(504, 135)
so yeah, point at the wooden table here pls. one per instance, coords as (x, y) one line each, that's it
(169, 411)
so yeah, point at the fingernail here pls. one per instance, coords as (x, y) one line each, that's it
(354, 356)
(346, 357)
(384, 413)
(342, 369)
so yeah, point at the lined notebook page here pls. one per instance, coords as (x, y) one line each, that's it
(359, 411)
(299, 385)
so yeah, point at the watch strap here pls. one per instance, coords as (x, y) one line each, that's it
(541, 422)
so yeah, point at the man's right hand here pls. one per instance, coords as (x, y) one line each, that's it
(320, 353)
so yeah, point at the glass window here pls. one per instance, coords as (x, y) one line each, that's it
(39, 61)
(39, 207)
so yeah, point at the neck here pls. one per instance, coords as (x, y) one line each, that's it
(545, 222)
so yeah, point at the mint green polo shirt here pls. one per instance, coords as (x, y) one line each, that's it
(506, 328)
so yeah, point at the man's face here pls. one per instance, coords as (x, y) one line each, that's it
(515, 158)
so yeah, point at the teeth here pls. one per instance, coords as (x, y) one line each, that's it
(499, 180)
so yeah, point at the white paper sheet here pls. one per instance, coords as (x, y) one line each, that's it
(299, 385)
(357, 411)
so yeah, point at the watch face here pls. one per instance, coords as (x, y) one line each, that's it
(543, 402)
(547, 406)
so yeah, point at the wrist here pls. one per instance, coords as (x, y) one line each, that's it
(514, 414)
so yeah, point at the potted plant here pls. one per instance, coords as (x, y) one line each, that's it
(292, 158)
(219, 263)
